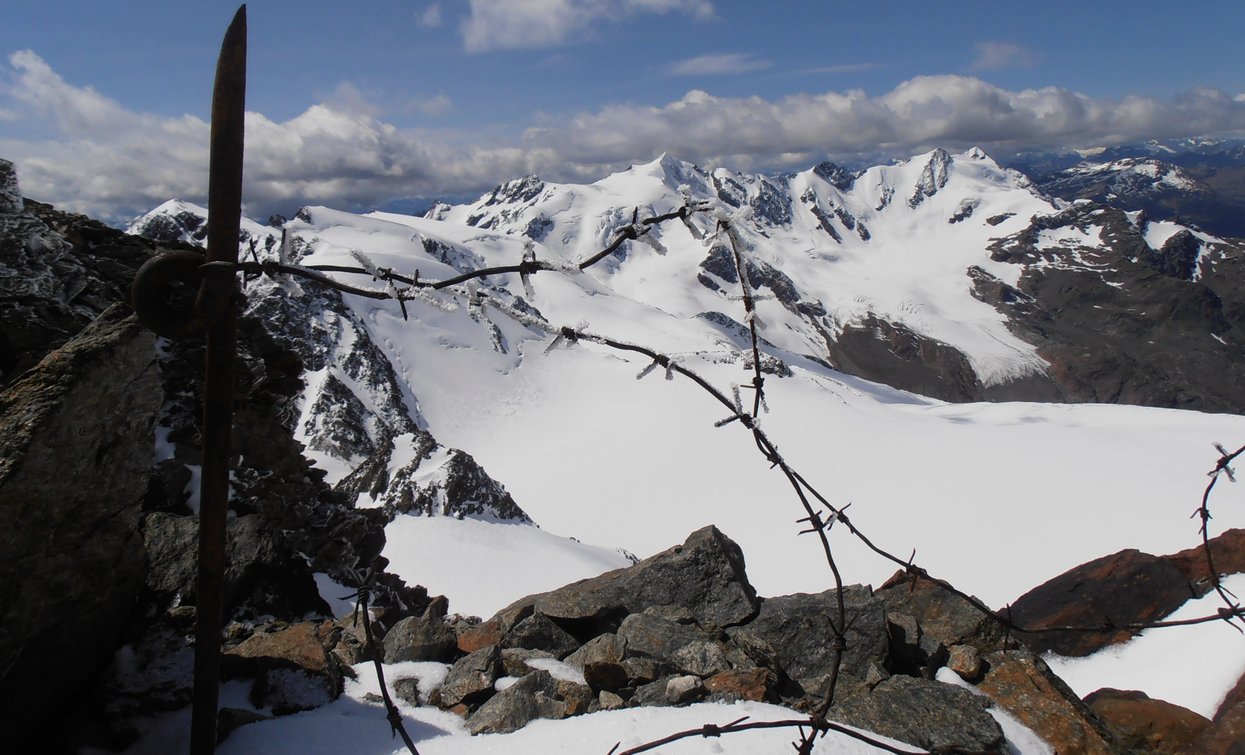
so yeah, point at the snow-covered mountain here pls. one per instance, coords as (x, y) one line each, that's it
(1197, 181)
(945, 274)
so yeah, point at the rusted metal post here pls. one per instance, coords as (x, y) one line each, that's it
(224, 217)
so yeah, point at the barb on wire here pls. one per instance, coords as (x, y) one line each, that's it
(1221, 469)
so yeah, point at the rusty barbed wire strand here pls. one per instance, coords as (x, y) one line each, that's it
(749, 419)
(1203, 511)
(742, 724)
(838, 642)
(392, 714)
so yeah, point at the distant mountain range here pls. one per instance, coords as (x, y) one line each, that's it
(947, 275)
(1194, 181)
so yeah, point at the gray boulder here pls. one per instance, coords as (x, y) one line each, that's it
(924, 713)
(705, 575)
(539, 632)
(422, 638)
(534, 696)
(798, 630)
(471, 678)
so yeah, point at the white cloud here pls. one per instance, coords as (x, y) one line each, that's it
(433, 107)
(527, 24)
(924, 111)
(98, 157)
(995, 55)
(716, 64)
(348, 98)
(431, 18)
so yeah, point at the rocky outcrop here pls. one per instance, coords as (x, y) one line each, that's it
(685, 626)
(1128, 587)
(99, 452)
(75, 456)
(703, 579)
(1123, 588)
(1109, 313)
(909, 360)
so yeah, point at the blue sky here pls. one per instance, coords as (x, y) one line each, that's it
(103, 106)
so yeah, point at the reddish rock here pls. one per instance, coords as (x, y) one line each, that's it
(1127, 587)
(301, 645)
(293, 667)
(1227, 550)
(1147, 724)
(966, 661)
(479, 636)
(750, 684)
(1225, 735)
(1022, 684)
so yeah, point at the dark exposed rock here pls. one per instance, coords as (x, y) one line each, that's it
(1227, 550)
(606, 675)
(262, 574)
(1145, 724)
(684, 689)
(10, 193)
(647, 635)
(471, 678)
(933, 177)
(924, 713)
(539, 632)
(473, 637)
(1108, 315)
(797, 630)
(58, 271)
(966, 661)
(705, 575)
(771, 204)
(422, 638)
(534, 696)
(1124, 588)
(75, 447)
(1226, 733)
(756, 684)
(947, 618)
(517, 661)
(907, 359)
(838, 177)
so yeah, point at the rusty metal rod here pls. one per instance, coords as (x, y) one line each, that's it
(224, 218)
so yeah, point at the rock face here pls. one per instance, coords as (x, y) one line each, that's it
(1109, 314)
(99, 447)
(75, 454)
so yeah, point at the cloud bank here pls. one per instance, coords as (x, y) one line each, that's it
(93, 155)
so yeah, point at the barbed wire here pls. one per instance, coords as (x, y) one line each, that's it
(820, 514)
(361, 610)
